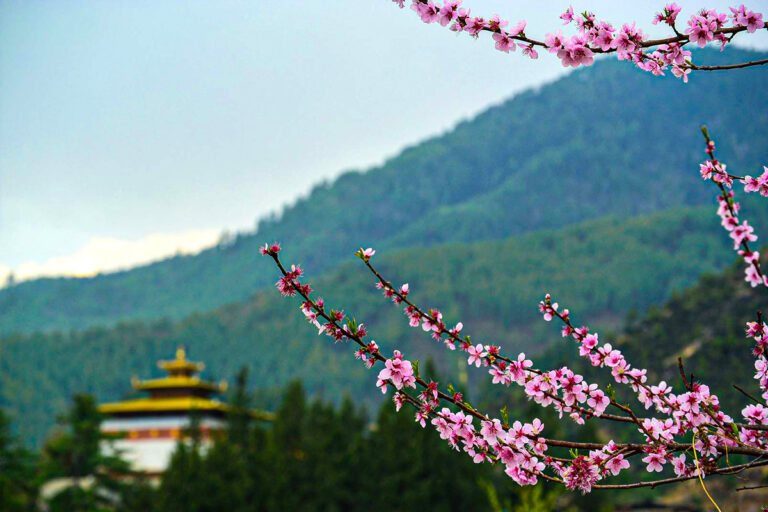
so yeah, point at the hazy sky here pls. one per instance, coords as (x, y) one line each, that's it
(129, 130)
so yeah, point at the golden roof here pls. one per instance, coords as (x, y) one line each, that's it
(163, 404)
(184, 404)
(181, 377)
(176, 381)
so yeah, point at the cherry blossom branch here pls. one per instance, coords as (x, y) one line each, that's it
(433, 322)
(490, 355)
(519, 446)
(600, 37)
(714, 170)
(399, 373)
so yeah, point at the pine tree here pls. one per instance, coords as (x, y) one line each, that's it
(76, 453)
(18, 479)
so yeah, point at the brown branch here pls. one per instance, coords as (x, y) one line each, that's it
(730, 470)
(751, 488)
(724, 67)
(745, 393)
(728, 201)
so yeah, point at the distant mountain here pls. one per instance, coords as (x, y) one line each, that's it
(602, 269)
(607, 140)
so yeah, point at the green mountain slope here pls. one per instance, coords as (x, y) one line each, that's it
(603, 140)
(602, 268)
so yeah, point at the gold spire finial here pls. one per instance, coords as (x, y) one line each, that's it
(180, 363)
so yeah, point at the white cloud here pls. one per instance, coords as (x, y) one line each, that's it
(5, 271)
(105, 254)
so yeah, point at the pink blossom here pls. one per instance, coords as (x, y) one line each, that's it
(755, 414)
(496, 24)
(567, 16)
(627, 41)
(555, 41)
(669, 15)
(448, 12)
(654, 461)
(432, 322)
(500, 376)
(398, 371)
(701, 30)
(756, 330)
(517, 369)
(476, 355)
(399, 400)
(475, 26)
(678, 463)
(529, 51)
(759, 184)
(616, 464)
(517, 29)
(752, 276)
(504, 43)
(598, 401)
(604, 39)
(368, 254)
(706, 170)
(575, 53)
(743, 233)
(490, 430)
(744, 18)
(274, 248)
(427, 11)
(581, 474)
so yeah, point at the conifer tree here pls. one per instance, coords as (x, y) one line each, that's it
(76, 453)
(18, 479)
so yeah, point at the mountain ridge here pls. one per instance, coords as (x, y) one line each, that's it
(578, 148)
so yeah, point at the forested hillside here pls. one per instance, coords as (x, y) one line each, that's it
(603, 269)
(605, 140)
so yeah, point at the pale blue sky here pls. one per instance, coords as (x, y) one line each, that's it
(128, 119)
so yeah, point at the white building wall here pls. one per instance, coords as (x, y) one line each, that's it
(146, 443)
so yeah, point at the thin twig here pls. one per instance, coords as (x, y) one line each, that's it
(745, 393)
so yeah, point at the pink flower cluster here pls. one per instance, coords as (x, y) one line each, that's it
(687, 412)
(703, 27)
(758, 331)
(745, 18)
(741, 232)
(289, 284)
(594, 36)
(759, 184)
(684, 413)
(518, 447)
(668, 15)
(568, 392)
(398, 372)
(607, 356)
